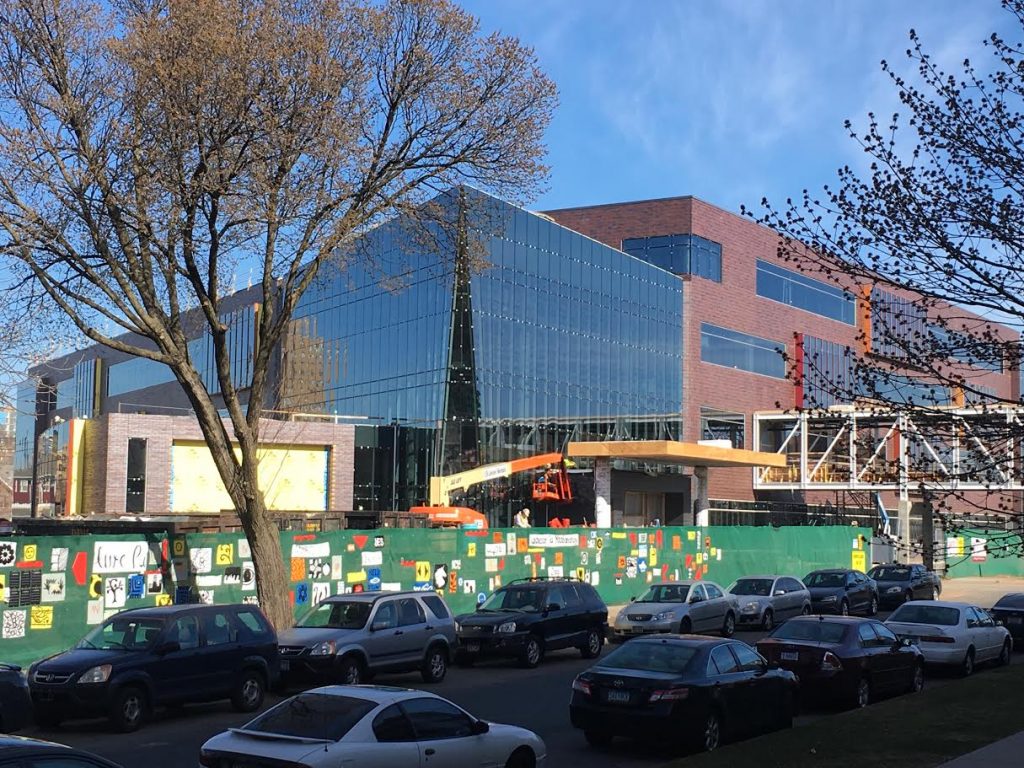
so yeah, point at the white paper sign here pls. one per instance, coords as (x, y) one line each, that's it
(491, 565)
(554, 540)
(320, 592)
(510, 543)
(201, 559)
(494, 550)
(556, 572)
(94, 612)
(323, 549)
(115, 592)
(244, 552)
(372, 558)
(120, 556)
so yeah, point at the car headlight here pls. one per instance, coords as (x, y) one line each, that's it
(458, 627)
(98, 674)
(829, 599)
(326, 648)
(751, 607)
(893, 590)
(508, 626)
(664, 616)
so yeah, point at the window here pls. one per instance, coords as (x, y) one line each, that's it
(436, 606)
(135, 478)
(410, 613)
(437, 719)
(218, 629)
(558, 595)
(386, 616)
(792, 585)
(684, 254)
(909, 613)
(339, 614)
(184, 632)
(722, 661)
(802, 292)
(697, 593)
(713, 591)
(393, 725)
(254, 623)
(742, 351)
(868, 638)
(722, 425)
(314, 716)
(818, 631)
(886, 636)
(964, 348)
(749, 659)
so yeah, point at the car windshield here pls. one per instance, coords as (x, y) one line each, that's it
(825, 579)
(1013, 600)
(665, 593)
(124, 633)
(941, 615)
(651, 657)
(890, 573)
(313, 716)
(758, 587)
(816, 631)
(341, 614)
(526, 599)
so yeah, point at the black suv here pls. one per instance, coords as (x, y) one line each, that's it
(173, 655)
(526, 618)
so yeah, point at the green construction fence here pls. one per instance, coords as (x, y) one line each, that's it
(52, 589)
(980, 552)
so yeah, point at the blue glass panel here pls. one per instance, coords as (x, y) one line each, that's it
(802, 292)
(733, 349)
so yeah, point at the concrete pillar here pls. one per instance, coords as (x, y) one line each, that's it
(700, 495)
(903, 515)
(603, 492)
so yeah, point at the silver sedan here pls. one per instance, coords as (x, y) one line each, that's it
(765, 601)
(678, 606)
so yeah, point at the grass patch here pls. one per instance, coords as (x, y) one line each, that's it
(918, 731)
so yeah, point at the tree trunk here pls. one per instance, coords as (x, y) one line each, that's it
(268, 560)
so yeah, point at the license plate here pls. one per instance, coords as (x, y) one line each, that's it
(285, 665)
(473, 647)
(1015, 620)
(619, 696)
(789, 656)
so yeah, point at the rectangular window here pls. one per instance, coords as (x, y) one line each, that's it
(964, 348)
(722, 425)
(682, 254)
(740, 350)
(135, 484)
(897, 325)
(802, 292)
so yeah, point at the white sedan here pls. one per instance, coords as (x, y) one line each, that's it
(372, 727)
(956, 634)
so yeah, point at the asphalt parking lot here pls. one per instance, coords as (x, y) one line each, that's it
(500, 691)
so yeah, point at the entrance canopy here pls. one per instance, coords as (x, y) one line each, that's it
(673, 452)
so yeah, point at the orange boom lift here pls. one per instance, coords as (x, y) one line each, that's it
(552, 485)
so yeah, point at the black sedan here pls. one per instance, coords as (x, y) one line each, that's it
(856, 660)
(684, 689)
(15, 702)
(842, 591)
(1009, 611)
(898, 584)
(16, 752)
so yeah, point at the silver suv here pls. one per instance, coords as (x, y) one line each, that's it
(349, 638)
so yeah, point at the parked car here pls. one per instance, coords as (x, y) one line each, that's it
(901, 583)
(15, 702)
(529, 617)
(145, 657)
(952, 634)
(1009, 611)
(842, 591)
(678, 606)
(672, 688)
(848, 658)
(348, 638)
(766, 600)
(18, 752)
(371, 726)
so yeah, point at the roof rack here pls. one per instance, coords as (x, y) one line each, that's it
(541, 579)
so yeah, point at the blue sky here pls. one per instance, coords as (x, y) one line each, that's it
(728, 100)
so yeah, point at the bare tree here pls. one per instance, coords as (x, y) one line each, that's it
(150, 147)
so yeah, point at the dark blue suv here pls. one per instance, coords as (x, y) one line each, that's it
(142, 658)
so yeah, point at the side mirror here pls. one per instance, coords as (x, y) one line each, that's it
(632, 599)
(377, 626)
(164, 648)
(479, 727)
(696, 598)
(780, 592)
(973, 623)
(553, 607)
(905, 643)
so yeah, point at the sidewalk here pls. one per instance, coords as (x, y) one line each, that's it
(1006, 753)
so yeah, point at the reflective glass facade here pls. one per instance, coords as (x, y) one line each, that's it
(681, 254)
(802, 292)
(733, 349)
(828, 376)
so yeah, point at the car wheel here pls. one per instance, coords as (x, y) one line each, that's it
(844, 608)
(806, 611)
(711, 733)
(128, 710)
(596, 738)
(917, 679)
(729, 627)
(685, 626)
(350, 671)
(863, 694)
(967, 665)
(532, 653)
(873, 607)
(768, 621)
(435, 664)
(521, 758)
(1004, 655)
(248, 696)
(591, 649)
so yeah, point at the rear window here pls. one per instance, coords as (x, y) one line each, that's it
(313, 716)
(1011, 601)
(436, 606)
(255, 624)
(650, 657)
(816, 631)
(754, 587)
(340, 614)
(825, 579)
(665, 593)
(890, 573)
(940, 615)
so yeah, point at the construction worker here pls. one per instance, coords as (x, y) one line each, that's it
(523, 518)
